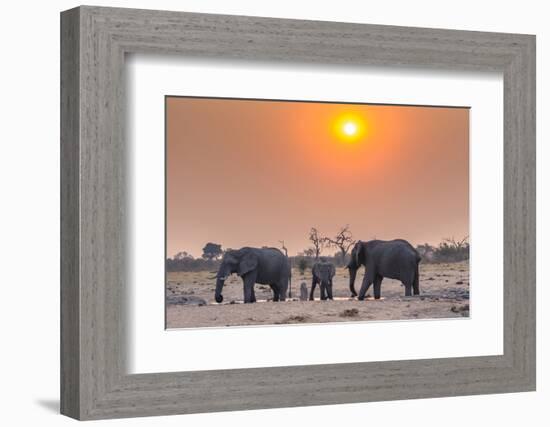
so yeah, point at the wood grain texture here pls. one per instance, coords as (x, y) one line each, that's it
(70, 221)
(94, 382)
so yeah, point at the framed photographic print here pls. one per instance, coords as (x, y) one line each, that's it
(264, 173)
(281, 188)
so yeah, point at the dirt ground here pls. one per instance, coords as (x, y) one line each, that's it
(444, 293)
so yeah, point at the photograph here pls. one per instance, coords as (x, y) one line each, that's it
(283, 212)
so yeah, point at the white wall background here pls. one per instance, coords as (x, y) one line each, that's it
(29, 217)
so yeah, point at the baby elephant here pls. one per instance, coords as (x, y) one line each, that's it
(323, 272)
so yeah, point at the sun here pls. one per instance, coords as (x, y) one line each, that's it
(349, 127)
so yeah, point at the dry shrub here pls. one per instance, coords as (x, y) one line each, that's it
(350, 312)
(294, 319)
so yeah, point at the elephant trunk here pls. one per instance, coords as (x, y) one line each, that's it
(352, 275)
(219, 286)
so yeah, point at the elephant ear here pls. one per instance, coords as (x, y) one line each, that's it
(248, 263)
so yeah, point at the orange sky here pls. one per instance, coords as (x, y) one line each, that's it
(251, 173)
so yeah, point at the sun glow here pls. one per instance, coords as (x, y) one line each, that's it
(349, 127)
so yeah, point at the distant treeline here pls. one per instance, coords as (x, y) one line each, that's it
(192, 264)
(449, 250)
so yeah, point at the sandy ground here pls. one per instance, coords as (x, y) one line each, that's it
(444, 293)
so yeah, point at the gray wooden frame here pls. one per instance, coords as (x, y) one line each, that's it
(94, 41)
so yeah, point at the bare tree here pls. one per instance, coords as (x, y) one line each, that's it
(451, 250)
(282, 242)
(308, 252)
(283, 247)
(456, 244)
(183, 255)
(318, 242)
(343, 240)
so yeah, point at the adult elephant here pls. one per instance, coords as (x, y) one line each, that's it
(395, 259)
(268, 266)
(322, 273)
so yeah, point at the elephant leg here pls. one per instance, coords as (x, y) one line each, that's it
(313, 284)
(275, 290)
(281, 286)
(377, 287)
(416, 286)
(352, 276)
(323, 287)
(329, 290)
(253, 295)
(248, 287)
(408, 281)
(367, 281)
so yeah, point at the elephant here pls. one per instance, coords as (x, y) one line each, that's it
(322, 272)
(395, 259)
(303, 291)
(268, 266)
